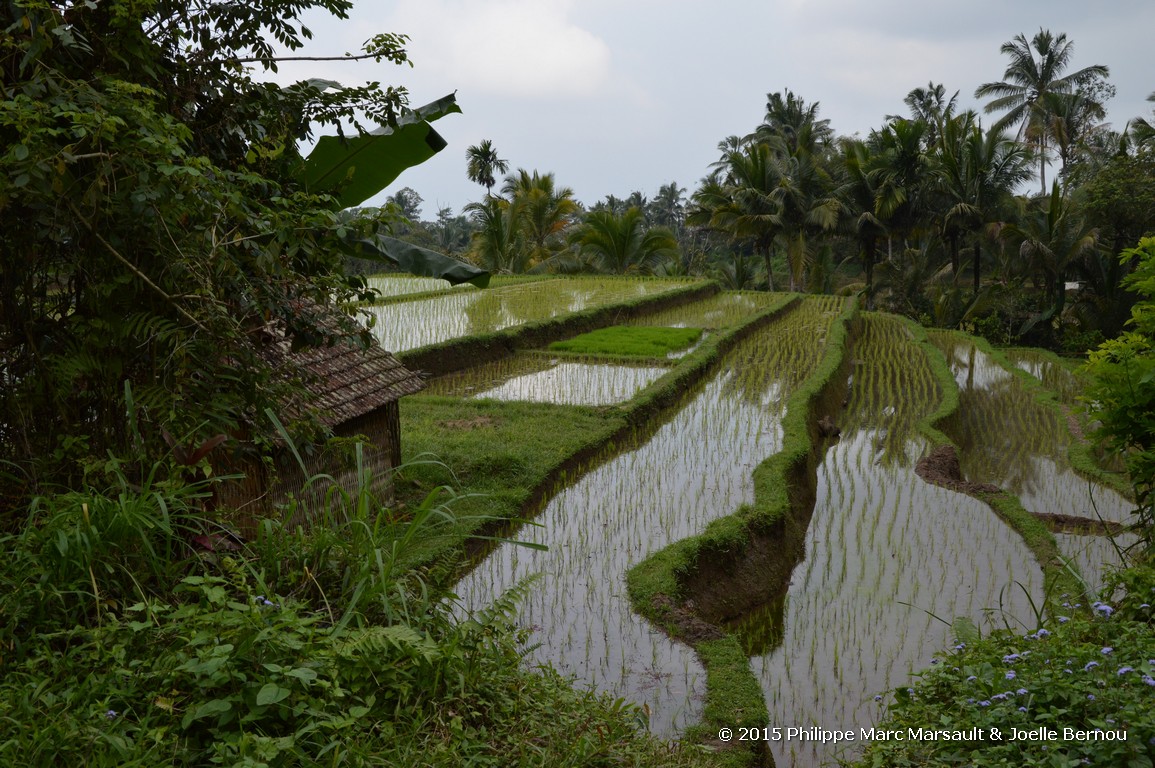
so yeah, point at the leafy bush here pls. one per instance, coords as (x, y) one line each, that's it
(1087, 668)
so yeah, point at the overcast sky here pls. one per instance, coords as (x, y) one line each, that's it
(619, 95)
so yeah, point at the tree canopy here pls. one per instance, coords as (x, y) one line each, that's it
(156, 223)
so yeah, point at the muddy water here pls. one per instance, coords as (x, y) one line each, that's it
(884, 551)
(1009, 439)
(695, 467)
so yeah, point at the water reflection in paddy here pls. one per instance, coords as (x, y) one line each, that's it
(884, 550)
(1008, 438)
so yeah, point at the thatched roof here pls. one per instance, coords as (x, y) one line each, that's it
(344, 380)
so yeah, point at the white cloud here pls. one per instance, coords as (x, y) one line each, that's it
(507, 47)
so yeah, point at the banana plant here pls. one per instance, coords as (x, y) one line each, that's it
(351, 170)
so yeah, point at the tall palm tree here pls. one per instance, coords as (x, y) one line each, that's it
(807, 205)
(1053, 237)
(796, 122)
(669, 207)
(1074, 120)
(1142, 131)
(496, 243)
(737, 199)
(931, 106)
(622, 244)
(482, 164)
(543, 212)
(860, 195)
(1027, 81)
(979, 172)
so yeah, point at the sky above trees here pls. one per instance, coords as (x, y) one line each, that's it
(621, 95)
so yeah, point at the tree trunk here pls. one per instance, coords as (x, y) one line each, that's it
(977, 263)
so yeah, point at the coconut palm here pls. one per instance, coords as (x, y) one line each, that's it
(794, 121)
(1053, 238)
(931, 106)
(496, 242)
(738, 199)
(860, 195)
(668, 207)
(978, 173)
(482, 164)
(1142, 131)
(622, 244)
(1027, 81)
(543, 211)
(807, 206)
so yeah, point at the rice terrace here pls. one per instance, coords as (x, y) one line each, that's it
(746, 512)
(841, 455)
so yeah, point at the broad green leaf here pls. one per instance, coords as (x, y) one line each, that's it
(208, 709)
(271, 693)
(353, 170)
(417, 260)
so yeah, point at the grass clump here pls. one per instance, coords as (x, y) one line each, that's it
(134, 632)
(630, 341)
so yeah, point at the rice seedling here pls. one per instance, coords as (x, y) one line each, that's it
(885, 551)
(1049, 369)
(722, 310)
(630, 341)
(695, 467)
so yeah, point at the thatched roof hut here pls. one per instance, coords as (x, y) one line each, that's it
(353, 390)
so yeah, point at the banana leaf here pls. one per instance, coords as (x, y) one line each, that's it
(416, 260)
(353, 170)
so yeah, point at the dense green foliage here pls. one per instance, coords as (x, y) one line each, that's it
(1122, 396)
(125, 644)
(1081, 669)
(154, 222)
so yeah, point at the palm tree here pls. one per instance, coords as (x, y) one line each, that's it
(795, 121)
(483, 164)
(738, 199)
(807, 205)
(1053, 238)
(543, 211)
(1027, 81)
(978, 172)
(931, 106)
(496, 243)
(1142, 132)
(860, 195)
(622, 244)
(669, 207)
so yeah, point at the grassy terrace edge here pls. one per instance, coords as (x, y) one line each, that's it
(684, 588)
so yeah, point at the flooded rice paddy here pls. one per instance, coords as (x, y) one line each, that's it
(696, 466)
(542, 378)
(400, 326)
(884, 551)
(1006, 437)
